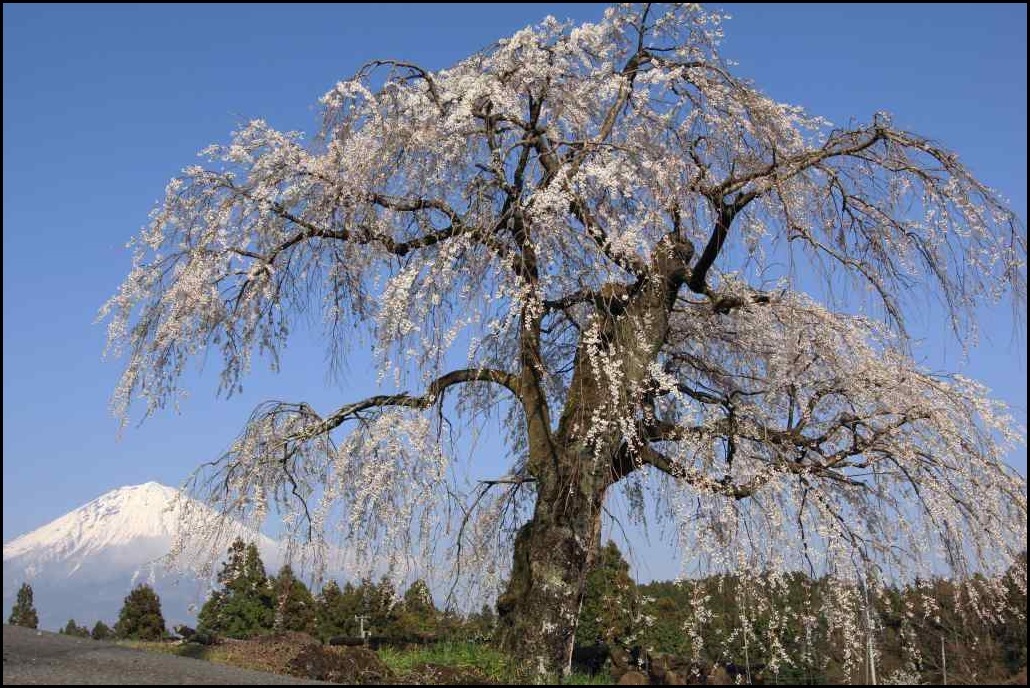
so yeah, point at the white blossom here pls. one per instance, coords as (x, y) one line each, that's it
(600, 224)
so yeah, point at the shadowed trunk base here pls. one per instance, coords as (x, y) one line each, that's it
(539, 611)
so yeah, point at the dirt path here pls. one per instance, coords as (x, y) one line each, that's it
(40, 657)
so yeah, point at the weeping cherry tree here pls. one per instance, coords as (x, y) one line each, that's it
(668, 282)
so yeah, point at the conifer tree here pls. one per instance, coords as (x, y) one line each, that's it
(24, 612)
(418, 599)
(244, 605)
(610, 601)
(480, 627)
(418, 615)
(101, 631)
(73, 629)
(294, 605)
(337, 610)
(378, 603)
(140, 617)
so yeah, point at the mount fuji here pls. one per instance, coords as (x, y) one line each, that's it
(83, 564)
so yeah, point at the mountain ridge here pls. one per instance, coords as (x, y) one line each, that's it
(82, 564)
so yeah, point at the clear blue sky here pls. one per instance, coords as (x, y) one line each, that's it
(103, 104)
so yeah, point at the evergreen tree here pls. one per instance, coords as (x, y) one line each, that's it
(480, 627)
(101, 631)
(326, 610)
(73, 629)
(419, 600)
(24, 612)
(337, 609)
(380, 605)
(244, 606)
(294, 605)
(377, 603)
(140, 617)
(1013, 627)
(610, 600)
(417, 614)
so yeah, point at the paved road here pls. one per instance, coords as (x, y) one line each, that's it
(39, 657)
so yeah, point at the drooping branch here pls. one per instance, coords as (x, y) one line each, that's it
(776, 450)
(564, 169)
(368, 236)
(699, 272)
(628, 460)
(629, 74)
(415, 71)
(727, 206)
(877, 234)
(433, 394)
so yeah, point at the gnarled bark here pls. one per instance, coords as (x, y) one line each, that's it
(539, 611)
(553, 554)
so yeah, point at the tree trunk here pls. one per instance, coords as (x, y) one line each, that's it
(539, 611)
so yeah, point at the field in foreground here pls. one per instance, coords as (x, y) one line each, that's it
(43, 658)
(448, 663)
(33, 657)
(300, 655)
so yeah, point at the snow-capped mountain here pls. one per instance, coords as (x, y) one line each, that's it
(83, 564)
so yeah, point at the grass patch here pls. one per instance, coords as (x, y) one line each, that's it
(494, 664)
(486, 660)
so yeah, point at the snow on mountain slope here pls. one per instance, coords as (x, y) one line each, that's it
(82, 564)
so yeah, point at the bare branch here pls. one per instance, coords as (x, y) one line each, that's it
(432, 395)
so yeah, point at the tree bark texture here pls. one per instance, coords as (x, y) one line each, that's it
(553, 554)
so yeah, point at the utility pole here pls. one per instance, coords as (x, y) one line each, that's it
(361, 619)
(870, 652)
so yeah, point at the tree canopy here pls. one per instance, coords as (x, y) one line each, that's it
(295, 608)
(246, 603)
(140, 617)
(73, 629)
(101, 631)
(24, 611)
(604, 234)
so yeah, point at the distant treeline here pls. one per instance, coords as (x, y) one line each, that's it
(249, 603)
(140, 617)
(916, 632)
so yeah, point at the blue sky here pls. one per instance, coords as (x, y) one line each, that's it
(103, 104)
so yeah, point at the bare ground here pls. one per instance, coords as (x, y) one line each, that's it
(40, 657)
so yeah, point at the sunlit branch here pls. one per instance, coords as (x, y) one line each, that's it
(432, 394)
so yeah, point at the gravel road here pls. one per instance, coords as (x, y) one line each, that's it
(40, 657)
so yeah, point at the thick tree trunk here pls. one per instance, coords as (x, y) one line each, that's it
(553, 553)
(539, 611)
